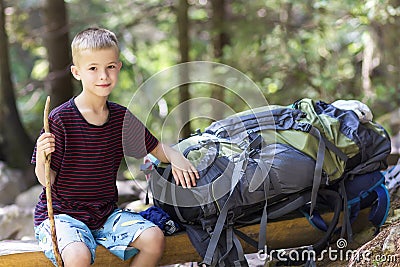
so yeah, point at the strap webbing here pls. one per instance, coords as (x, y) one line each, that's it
(262, 238)
(237, 174)
(176, 207)
(216, 234)
(336, 199)
(246, 238)
(231, 242)
(346, 225)
(241, 261)
(310, 262)
(335, 149)
(318, 167)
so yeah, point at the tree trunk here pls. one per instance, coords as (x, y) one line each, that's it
(388, 71)
(219, 39)
(56, 41)
(15, 145)
(183, 32)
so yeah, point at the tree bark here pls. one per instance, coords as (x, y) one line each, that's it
(184, 43)
(56, 41)
(15, 145)
(219, 40)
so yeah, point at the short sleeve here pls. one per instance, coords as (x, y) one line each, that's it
(137, 140)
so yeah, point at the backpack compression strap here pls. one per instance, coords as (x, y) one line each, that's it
(318, 166)
(322, 144)
(238, 172)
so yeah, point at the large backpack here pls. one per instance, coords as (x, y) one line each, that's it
(264, 163)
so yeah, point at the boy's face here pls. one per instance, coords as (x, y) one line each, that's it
(97, 70)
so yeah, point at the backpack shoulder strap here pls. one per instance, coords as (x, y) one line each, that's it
(377, 216)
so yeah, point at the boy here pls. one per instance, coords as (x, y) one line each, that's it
(86, 146)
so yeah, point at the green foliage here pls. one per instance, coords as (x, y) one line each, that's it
(291, 49)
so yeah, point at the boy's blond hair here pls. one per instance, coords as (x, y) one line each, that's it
(93, 39)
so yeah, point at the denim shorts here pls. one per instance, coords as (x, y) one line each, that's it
(121, 228)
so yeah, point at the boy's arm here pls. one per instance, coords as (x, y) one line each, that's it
(44, 146)
(182, 169)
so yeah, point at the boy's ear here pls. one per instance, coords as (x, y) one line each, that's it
(75, 72)
(119, 65)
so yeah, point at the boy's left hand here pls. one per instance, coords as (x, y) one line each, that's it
(184, 172)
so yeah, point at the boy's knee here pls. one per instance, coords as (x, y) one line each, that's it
(151, 240)
(155, 239)
(76, 254)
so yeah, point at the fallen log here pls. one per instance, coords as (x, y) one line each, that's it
(285, 233)
(280, 234)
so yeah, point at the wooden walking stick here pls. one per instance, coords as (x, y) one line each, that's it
(48, 188)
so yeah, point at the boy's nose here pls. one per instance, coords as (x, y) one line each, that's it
(103, 75)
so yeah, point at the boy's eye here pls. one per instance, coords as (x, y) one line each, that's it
(92, 68)
(111, 67)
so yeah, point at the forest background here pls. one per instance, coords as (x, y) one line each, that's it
(291, 49)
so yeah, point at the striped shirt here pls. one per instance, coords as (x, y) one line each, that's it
(86, 161)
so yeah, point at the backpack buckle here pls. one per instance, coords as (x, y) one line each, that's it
(253, 152)
(197, 132)
(304, 127)
(243, 144)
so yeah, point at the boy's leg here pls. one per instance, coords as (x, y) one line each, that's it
(151, 245)
(75, 241)
(76, 254)
(126, 233)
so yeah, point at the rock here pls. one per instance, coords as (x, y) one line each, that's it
(126, 187)
(254, 260)
(396, 216)
(11, 184)
(392, 241)
(383, 250)
(29, 198)
(126, 192)
(16, 223)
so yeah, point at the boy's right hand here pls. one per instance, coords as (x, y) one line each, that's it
(45, 144)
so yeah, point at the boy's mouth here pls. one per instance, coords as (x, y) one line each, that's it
(104, 85)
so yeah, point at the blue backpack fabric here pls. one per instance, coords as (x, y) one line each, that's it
(160, 218)
(362, 191)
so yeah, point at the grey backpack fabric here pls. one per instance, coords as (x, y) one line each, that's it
(263, 164)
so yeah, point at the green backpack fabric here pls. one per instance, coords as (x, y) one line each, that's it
(345, 144)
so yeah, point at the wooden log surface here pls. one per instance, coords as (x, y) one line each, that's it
(281, 234)
(393, 159)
